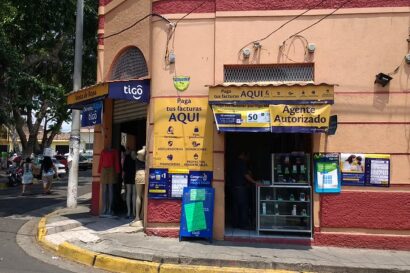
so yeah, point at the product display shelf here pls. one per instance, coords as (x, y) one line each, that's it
(284, 209)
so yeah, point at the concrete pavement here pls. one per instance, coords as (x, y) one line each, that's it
(111, 244)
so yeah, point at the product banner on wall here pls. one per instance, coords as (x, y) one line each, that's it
(365, 169)
(326, 173)
(91, 114)
(200, 178)
(270, 94)
(134, 90)
(158, 184)
(244, 118)
(183, 134)
(299, 118)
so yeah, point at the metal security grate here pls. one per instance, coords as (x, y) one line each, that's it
(130, 65)
(269, 73)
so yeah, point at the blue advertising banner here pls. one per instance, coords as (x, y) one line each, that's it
(135, 90)
(91, 114)
(200, 178)
(158, 184)
(197, 215)
(326, 171)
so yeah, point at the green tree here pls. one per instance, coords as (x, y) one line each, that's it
(36, 65)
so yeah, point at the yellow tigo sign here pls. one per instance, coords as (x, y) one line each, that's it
(87, 93)
(272, 94)
(183, 134)
(283, 117)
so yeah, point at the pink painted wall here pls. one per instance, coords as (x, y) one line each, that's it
(350, 52)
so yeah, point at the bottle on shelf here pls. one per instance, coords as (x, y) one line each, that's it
(304, 213)
(292, 197)
(263, 208)
(302, 196)
(276, 209)
(294, 212)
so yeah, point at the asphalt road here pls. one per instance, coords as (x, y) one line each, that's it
(16, 211)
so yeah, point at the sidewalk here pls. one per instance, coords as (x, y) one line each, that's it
(3, 180)
(112, 244)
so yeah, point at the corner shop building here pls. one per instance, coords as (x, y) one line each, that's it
(207, 44)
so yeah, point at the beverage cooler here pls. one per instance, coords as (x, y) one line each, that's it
(284, 205)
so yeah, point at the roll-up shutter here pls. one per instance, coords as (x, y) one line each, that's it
(128, 110)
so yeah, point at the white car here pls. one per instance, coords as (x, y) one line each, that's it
(61, 171)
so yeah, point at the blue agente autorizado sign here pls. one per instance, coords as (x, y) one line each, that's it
(134, 90)
(91, 114)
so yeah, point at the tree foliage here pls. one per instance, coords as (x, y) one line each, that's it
(36, 64)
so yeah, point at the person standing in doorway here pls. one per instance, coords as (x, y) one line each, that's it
(242, 185)
(128, 169)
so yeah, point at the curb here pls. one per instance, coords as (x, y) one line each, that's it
(119, 264)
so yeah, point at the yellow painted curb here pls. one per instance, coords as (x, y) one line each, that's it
(41, 229)
(117, 264)
(179, 268)
(77, 254)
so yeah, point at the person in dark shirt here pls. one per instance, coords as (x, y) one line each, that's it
(242, 182)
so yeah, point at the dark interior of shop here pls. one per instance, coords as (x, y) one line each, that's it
(137, 129)
(259, 147)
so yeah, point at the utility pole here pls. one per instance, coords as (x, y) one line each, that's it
(75, 125)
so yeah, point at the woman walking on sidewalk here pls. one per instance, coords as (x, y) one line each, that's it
(48, 171)
(27, 180)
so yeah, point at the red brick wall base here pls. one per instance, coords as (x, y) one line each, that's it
(163, 232)
(395, 242)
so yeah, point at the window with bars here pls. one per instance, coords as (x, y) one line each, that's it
(269, 73)
(130, 64)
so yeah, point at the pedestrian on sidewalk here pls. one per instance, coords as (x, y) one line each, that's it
(48, 171)
(27, 180)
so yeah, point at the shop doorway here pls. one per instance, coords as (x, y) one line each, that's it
(131, 135)
(246, 214)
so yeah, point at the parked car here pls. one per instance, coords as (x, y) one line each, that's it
(61, 169)
(63, 160)
(84, 163)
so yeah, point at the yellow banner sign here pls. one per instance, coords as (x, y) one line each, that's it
(296, 94)
(242, 118)
(88, 93)
(299, 118)
(183, 134)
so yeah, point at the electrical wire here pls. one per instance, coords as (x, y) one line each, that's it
(320, 20)
(137, 22)
(176, 24)
(281, 26)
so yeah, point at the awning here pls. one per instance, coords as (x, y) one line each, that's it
(131, 90)
(280, 108)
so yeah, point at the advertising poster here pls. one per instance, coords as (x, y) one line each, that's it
(158, 184)
(327, 173)
(197, 213)
(377, 168)
(200, 178)
(231, 118)
(91, 114)
(299, 118)
(178, 181)
(183, 134)
(352, 167)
